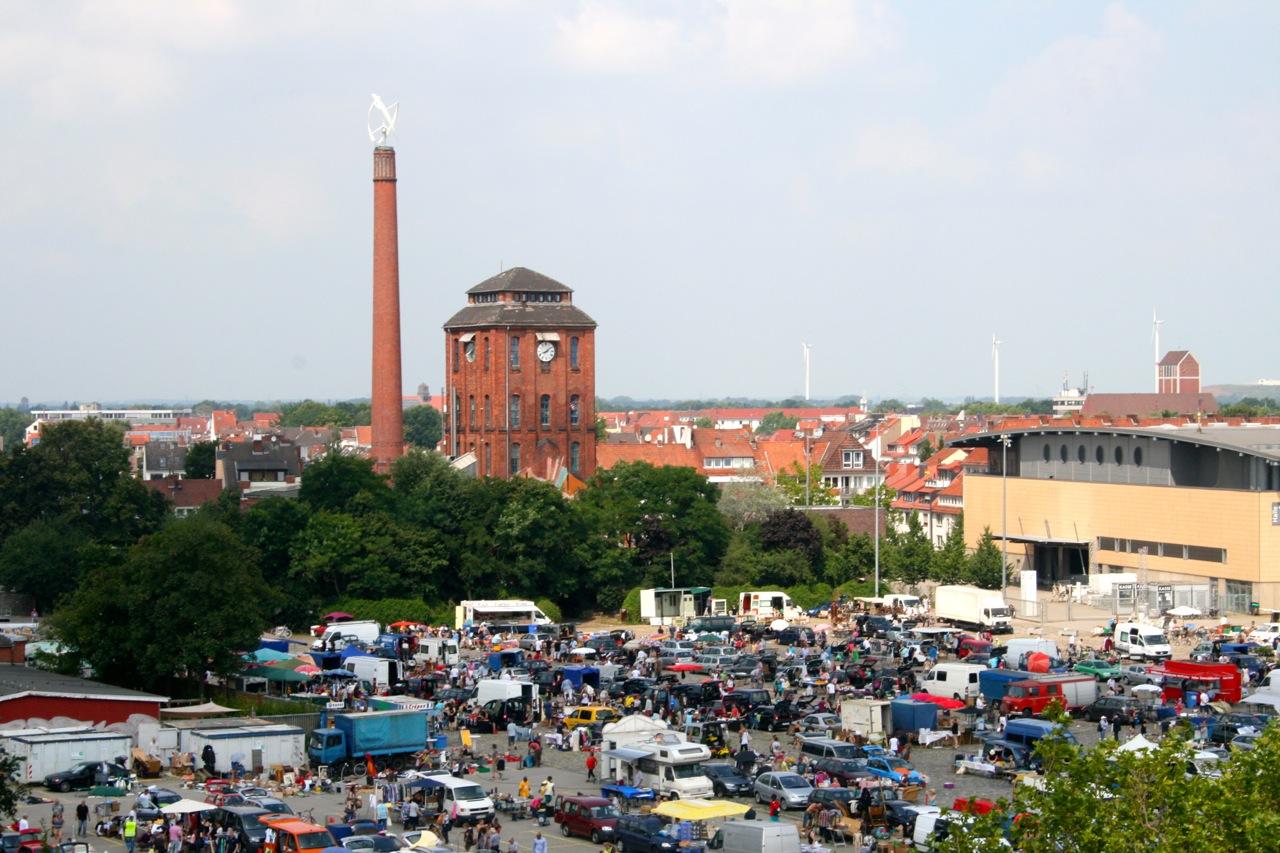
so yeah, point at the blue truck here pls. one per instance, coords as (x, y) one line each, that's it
(346, 742)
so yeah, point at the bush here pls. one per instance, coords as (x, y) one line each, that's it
(631, 604)
(388, 610)
(550, 608)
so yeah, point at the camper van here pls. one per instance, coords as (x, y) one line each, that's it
(1142, 642)
(670, 765)
(500, 614)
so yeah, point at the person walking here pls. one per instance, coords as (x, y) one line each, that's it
(591, 768)
(82, 819)
(55, 828)
(774, 808)
(539, 843)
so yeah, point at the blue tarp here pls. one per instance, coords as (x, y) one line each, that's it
(578, 675)
(910, 715)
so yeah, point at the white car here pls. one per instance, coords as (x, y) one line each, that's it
(820, 723)
(1266, 633)
(791, 789)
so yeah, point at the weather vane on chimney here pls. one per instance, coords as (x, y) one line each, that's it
(388, 125)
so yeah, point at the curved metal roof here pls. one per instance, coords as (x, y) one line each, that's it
(1261, 440)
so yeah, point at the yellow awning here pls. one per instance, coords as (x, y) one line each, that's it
(701, 809)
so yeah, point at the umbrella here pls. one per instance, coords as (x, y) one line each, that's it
(187, 807)
(308, 669)
(582, 650)
(778, 624)
(267, 656)
(1146, 688)
(1137, 744)
(426, 782)
(1038, 662)
(968, 711)
(1183, 610)
(403, 624)
(338, 673)
(336, 616)
(683, 667)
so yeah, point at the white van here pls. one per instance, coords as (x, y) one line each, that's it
(1142, 642)
(756, 836)
(473, 804)
(953, 680)
(380, 672)
(441, 649)
(912, 605)
(1015, 649)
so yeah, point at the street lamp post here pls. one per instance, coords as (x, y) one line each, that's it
(875, 497)
(1004, 515)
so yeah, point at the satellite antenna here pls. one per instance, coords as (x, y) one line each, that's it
(1155, 339)
(807, 347)
(388, 115)
(995, 358)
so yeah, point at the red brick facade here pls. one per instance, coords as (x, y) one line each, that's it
(388, 411)
(527, 413)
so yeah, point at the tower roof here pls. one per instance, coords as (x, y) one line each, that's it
(520, 279)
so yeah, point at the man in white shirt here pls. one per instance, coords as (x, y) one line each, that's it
(539, 844)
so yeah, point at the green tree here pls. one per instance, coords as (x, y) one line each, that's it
(854, 560)
(202, 460)
(775, 421)
(909, 555)
(423, 426)
(746, 502)
(334, 481)
(79, 472)
(925, 449)
(704, 422)
(879, 491)
(270, 528)
(984, 569)
(13, 425)
(951, 562)
(11, 792)
(43, 560)
(182, 601)
(802, 491)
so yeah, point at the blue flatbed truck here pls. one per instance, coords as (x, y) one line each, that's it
(345, 742)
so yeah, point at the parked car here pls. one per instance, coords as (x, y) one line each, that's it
(243, 822)
(820, 723)
(845, 798)
(1098, 668)
(903, 813)
(269, 804)
(642, 833)
(791, 789)
(1244, 743)
(896, 769)
(160, 797)
(588, 714)
(1139, 673)
(850, 771)
(1110, 706)
(727, 781)
(454, 694)
(87, 774)
(589, 817)
(373, 843)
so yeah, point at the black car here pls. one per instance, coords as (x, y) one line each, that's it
(631, 687)
(747, 700)
(850, 771)
(86, 774)
(794, 636)
(455, 694)
(901, 813)
(1110, 707)
(845, 798)
(727, 781)
(243, 822)
(641, 833)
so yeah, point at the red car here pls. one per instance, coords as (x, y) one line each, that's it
(589, 817)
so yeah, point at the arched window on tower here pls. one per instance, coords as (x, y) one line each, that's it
(544, 410)
(575, 457)
(486, 353)
(573, 410)
(488, 421)
(515, 352)
(472, 404)
(513, 466)
(513, 416)
(573, 353)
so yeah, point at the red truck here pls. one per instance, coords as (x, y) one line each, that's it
(1182, 678)
(1033, 695)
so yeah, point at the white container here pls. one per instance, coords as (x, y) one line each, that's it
(261, 746)
(43, 753)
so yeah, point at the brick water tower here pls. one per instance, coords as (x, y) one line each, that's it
(387, 405)
(521, 379)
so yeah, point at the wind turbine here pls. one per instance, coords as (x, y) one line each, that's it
(1155, 339)
(995, 358)
(807, 347)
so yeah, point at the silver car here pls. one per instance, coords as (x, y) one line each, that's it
(1137, 674)
(791, 789)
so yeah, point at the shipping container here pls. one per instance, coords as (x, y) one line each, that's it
(255, 747)
(45, 752)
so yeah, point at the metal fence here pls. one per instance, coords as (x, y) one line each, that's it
(1155, 599)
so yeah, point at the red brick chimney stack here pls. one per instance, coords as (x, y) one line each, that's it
(388, 409)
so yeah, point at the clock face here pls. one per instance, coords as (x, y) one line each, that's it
(469, 350)
(546, 351)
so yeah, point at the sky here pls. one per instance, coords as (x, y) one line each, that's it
(186, 198)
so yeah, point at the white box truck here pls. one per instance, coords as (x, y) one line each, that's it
(43, 753)
(255, 747)
(970, 607)
(366, 631)
(866, 716)
(1142, 642)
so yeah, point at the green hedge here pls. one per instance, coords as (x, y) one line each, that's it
(550, 608)
(388, 610)
(631, 604)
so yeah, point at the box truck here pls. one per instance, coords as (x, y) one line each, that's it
(1142, 642)
(255, 748)
(970, 607)
(390, 737)
(866, 716)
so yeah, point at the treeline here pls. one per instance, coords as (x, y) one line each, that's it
(144, 596)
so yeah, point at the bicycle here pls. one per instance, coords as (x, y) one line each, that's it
(309, 815)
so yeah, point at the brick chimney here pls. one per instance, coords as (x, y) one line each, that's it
(388, 409)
